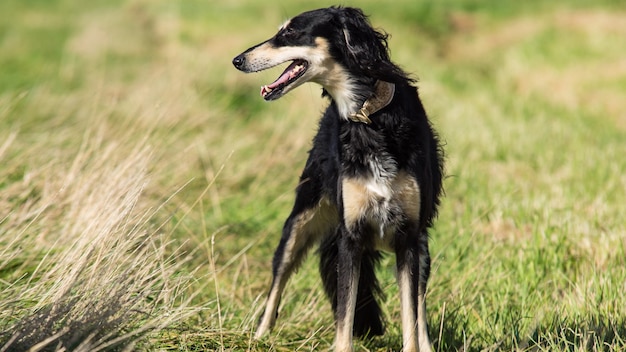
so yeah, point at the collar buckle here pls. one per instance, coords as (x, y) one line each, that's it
(382, 96)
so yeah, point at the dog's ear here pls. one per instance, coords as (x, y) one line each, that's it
(364, 47)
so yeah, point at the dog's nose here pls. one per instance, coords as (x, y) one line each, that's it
(238, 61)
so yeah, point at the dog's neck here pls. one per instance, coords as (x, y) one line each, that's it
(358, 101)
(381, 97)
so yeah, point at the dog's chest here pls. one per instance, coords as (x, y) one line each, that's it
(381, 204)
(378, 194)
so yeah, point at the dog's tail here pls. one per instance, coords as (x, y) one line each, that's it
(368, 320)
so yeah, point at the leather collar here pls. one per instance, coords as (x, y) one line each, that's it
(383, 94)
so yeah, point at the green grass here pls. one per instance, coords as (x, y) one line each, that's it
(143, 182)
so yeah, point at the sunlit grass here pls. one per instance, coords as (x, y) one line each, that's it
(141, 173)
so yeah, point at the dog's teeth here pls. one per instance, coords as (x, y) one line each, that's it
(265, 90)
(295, 71)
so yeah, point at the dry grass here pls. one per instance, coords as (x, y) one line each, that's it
(95, 271)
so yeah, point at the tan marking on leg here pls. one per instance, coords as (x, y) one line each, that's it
(324, 219)
(407, 307)
(343, 337)
(422, 328)
(295, 242)
(356, 200)
(407, 192)
(308, 226)
(422, 325)
(271, 307)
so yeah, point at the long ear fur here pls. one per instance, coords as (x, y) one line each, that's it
(366, 48)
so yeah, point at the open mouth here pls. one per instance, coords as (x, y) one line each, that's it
(294, 71)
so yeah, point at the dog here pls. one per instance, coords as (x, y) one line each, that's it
(373, 178)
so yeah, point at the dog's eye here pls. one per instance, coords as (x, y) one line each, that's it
(288, 32)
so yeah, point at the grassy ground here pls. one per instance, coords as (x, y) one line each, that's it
(143, 182)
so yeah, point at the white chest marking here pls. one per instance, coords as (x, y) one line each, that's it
(381, 202)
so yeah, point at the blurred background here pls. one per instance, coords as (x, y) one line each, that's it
(144, 182)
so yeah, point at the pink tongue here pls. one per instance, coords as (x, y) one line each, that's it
(284, 77)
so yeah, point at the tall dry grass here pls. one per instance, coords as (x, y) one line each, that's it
(94, 249)
(101, 273)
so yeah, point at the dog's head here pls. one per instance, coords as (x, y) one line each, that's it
(332, 46)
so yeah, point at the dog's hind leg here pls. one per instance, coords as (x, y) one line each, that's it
(413, 265)
(368, 315)
(348, 270)
(312, 216)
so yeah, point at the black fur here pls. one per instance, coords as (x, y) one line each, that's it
(398, 139)
(368, 316)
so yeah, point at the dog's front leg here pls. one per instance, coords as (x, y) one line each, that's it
(311, 218)
(348, 272)
(406, 260)
(294, 243)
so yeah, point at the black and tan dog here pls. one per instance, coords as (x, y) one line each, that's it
(372, 181)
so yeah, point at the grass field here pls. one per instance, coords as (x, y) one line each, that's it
(143, 181)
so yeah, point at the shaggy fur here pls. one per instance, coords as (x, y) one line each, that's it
(373, 178)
